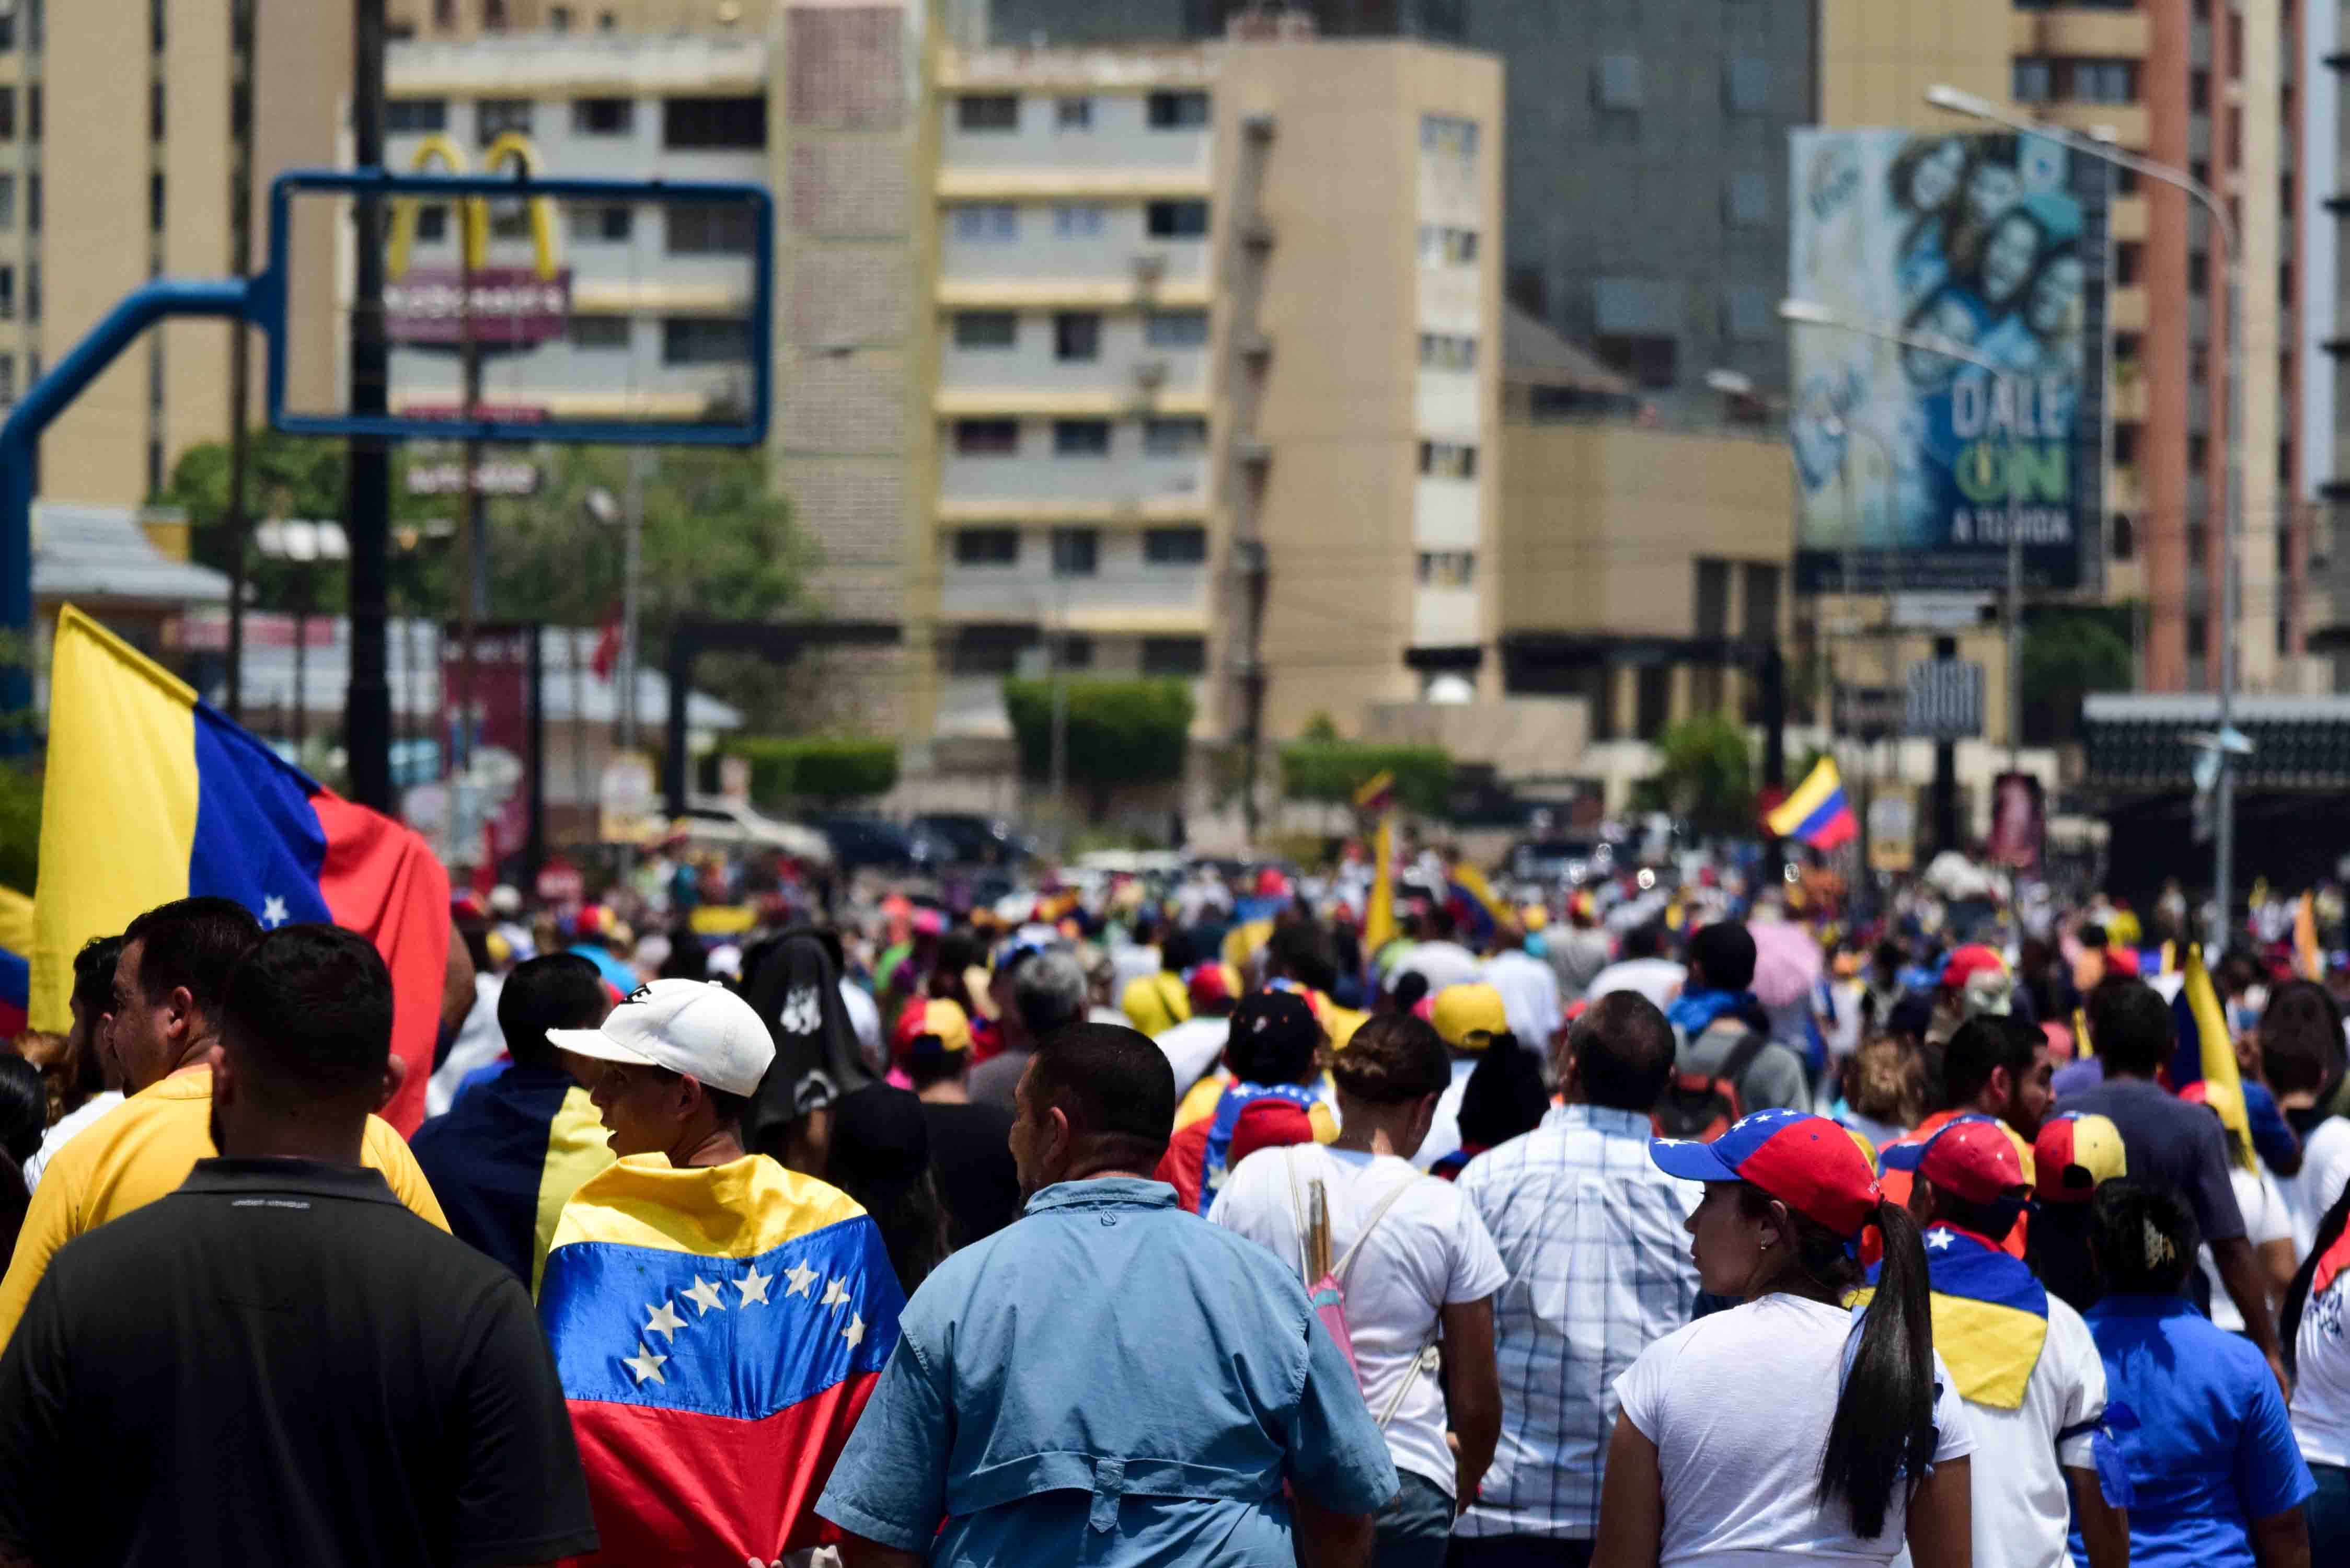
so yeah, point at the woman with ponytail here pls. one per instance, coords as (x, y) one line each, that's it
(1790, 1427)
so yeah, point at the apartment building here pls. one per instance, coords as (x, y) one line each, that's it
(114, 168)
(1216, 374)
(2213, 86)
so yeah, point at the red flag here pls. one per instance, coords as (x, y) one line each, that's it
(607, 650)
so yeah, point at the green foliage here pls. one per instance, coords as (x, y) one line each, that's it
(782, 768)
(2066, 655)
(20, 826)
(1705, 774)
(1333, 770)
(1320, 727)
(1119, 731)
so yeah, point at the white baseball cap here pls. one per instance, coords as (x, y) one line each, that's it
(701, 1029)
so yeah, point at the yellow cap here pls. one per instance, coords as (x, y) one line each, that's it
(1468, 1015)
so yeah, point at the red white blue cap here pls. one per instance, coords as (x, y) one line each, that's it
(1973, 1156)
(1804, 1161)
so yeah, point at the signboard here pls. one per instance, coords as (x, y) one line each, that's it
(487, 720)
(502, 308)
(1945, 699)
(1939, 612)
(1892, 832)
(490, 478)
(628, 806)
(1870, 710)
(560, 884)
(1913, 466)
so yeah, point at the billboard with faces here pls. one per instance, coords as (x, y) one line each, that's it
(1913, 466)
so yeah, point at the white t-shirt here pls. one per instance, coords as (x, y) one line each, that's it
(2320, 1393)
(2021, 1505)
(1659, 980)
(1529, 996)
(2324, 1171)
(1739, 1404)
(72, 1122)
(1444, 1130)
(1443, 964)
(1429, 1250)
(1193, 1046)
(2267, 1218)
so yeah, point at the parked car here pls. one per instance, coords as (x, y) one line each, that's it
(719, 823)
(965, 838)
(874, 843)
(1555, 860)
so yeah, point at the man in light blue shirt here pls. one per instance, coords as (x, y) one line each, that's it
(1109, 1380)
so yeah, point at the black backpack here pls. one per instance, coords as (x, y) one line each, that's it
(1704, 1105)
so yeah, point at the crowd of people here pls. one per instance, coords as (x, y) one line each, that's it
(1221, 1217)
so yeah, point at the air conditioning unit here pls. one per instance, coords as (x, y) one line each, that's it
(1149, 267)
(1149, 374)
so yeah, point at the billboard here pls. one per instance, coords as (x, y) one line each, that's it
(1913, 466)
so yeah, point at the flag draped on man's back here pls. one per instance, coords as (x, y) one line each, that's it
(152, 795)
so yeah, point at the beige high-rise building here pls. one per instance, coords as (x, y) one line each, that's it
(114, 167)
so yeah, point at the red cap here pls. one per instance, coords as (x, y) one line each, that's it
(1212, 984)
(1973, 1157)
(1269, 1123)
(2122, 961)
(1804, 1161)
(2075, 1153)
(1969, 962)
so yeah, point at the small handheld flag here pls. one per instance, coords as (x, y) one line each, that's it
(2207, 1056)
(1817, 813)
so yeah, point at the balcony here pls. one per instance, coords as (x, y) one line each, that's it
(2085, 32)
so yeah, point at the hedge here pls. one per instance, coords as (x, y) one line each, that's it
(1118, 731)
(1334, 770)
(785, 768)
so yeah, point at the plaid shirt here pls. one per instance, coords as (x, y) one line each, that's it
(1590, 1230)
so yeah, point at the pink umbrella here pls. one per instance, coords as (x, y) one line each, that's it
(1786, 962)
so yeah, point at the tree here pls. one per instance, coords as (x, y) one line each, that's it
(1116, 731)
(1332, 771)
(2067, 654)
(1706, 774)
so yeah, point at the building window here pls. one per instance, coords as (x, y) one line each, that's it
(1750, 313)
(1447, 460)
(1177, 220)
(416, 116)
(7, 113)
(607, 21)
(1077, 220)
(984, 653)
(559, 19)
(1616, 82)
(1762, 606)
(603, 116)
(2199, 271)
(2198, 91)
(1180, 546)
(1080, 438)
(1077, 335)
(33, 112)
(987, 111)
(1070, 651)
(1178, 110)
(432, 225)
(155, 111)
(1077, 552)
(1073, 114)
(986, 329)
(987, 437)
(155, 33)
(7, 378)
(987, 547)
(1180, 435)
(494, 16)
(1651, 359)
(1712, 595)
(1447, 136)
(7, 293)
(1445, 351)
(705, 340)
(8, 30)
(612, 224)
(701, 124)
(1176, 330)
(155, 203)
(1447, 568)
(1178, 656)
(32, 203)
(599, 333)
(2103, 81)
(2028, 80)
(1746, 86)
(1442, 246)
(1746, 201)
(7, 201)
(986, 222)
(495, 117)
(711, 228)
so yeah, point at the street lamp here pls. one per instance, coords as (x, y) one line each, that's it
(1810, 313)
(2223, 229)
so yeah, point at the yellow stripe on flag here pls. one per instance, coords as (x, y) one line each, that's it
(1990, 1349)
(2223, 1089)
(1808, 798)
(736, 1210)
(1378, 916)
(2306, 957)
(15, 921)
(118, 802)
(577, 1147)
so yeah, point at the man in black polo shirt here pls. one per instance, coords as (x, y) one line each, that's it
(278, 1364)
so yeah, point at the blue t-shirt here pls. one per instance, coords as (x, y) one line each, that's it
(2212, 1449)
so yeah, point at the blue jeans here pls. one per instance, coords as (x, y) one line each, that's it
(1414, 1529)
(2328, 1514)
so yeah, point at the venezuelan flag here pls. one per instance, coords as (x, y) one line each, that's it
(717, 1332)
(507, 1157)
(2207, 1055)
(1817, 813)
(153, 794)
(1991, 1315)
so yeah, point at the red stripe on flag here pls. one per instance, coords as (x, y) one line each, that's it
(677, 1486)
(380, 880)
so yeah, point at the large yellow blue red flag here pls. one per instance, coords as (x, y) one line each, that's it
(152, 795)
(717, 1332)
(1379, 928)
(1991, 1315)
(1816, 812)
(2205, 1060)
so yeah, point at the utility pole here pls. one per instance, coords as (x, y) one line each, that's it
(241, 16)
(1945, 770)
(367, 715)
(632, 539)
(1255, 568)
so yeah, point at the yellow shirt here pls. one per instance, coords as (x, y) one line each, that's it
(1155, 1004)
(142, 1150)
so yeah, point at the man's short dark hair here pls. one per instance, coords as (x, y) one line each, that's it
(1983, 1044)
(1302, 950)
(307, 1017)
(2131, 1026)
(1275, 1038)
(1645, 941)
(194, 943)
(1623, 1051)
(93, 987)
(556, 991)
(1115, 1087)
(1725, 951)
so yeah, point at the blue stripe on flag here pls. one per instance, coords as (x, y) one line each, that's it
(257, 837)
(1828, 811)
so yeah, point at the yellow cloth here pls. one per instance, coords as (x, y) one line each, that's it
(738, 1210)
(1379, 926)
(1200, 1103)
(579, 1146)
(1991, 1349)
(142, 1150)
(15, 921)
(1243, 942)
(1155, 1004)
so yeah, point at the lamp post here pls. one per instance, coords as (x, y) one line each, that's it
(2223, 231)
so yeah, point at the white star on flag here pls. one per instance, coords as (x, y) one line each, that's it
(855, 1332)
(662, 1319)
(645, 1364)
(274, 912)
(802, 1277)
(836, 1293)
(1938, 1241)
(705, 1295)
(753, 1286)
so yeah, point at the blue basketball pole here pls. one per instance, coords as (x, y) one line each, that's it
(239, 299)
